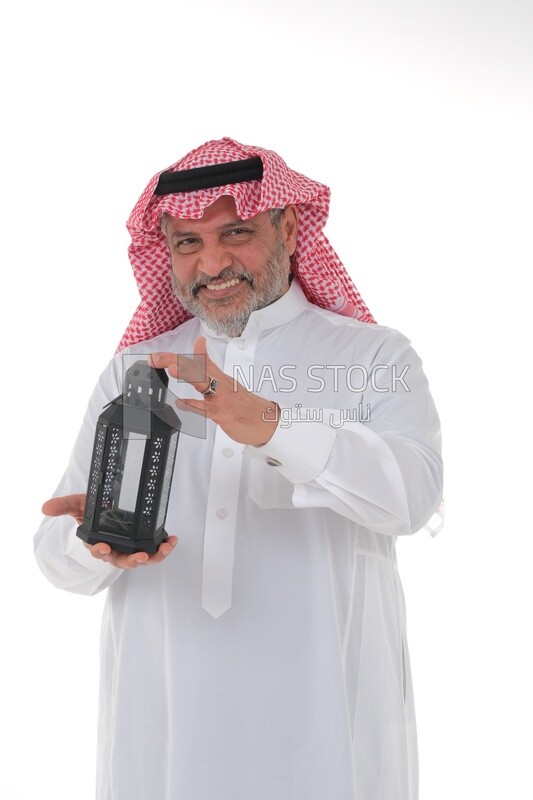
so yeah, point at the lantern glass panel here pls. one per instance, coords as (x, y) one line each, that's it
(132, 455)
(121, 480)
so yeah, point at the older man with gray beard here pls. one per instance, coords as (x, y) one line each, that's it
(265, 654)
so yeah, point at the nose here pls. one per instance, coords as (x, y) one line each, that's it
(213, 260)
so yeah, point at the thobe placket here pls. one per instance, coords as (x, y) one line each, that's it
(223, 496)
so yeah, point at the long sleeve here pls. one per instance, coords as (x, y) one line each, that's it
(383, 470)
(60, 554)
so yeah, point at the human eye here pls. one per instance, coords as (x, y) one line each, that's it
(189, 244)
(239, 234)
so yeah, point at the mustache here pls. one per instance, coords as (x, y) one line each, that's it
(226, 275)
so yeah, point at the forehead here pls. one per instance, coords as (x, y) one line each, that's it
(222, 212)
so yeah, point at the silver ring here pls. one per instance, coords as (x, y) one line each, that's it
(211, 389)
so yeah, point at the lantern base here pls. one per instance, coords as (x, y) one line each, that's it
(122, 544)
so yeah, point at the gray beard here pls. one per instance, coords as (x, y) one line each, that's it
(274, 282)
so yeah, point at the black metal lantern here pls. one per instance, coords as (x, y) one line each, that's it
(132, 464)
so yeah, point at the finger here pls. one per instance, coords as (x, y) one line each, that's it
(197, 370)
(104, 552)
(164, 550)
(200, 352)
(72, 504)
(188, 368)
(99, 550)
(195, 406)
(162, 360)
(134, 560)
(210, 369)
(131, 560)
(200, 347)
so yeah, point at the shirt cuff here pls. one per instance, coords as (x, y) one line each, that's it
(299, 450)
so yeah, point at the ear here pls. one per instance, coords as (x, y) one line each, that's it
(289, 227)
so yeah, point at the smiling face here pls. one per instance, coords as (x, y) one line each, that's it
(223, 268)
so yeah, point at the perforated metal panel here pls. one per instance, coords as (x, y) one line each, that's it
(94, 480)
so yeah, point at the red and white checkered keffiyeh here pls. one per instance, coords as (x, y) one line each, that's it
(320, 272)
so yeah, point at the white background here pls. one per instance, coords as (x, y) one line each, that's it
(419, 115)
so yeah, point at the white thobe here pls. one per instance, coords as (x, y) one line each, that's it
(266, 657)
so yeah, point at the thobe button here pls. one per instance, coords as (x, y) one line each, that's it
(273, 462)
(222, 513)
(243, 344)
(228, 452)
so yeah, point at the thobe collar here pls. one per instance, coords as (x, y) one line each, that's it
(289, 306)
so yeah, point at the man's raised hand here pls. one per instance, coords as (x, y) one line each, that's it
(245, 417)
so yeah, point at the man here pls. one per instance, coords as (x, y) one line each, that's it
(264, 656)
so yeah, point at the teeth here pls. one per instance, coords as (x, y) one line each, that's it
(225, 285)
